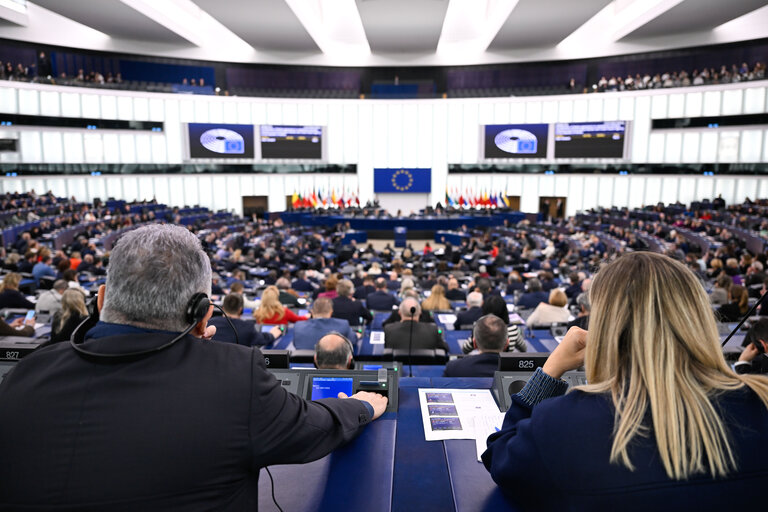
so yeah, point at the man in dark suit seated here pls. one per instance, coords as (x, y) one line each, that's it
(381, 299)
(365, 289)
(425, 336)
(306, 334)
(301, 284)
(216, 415)
(246, 330)
(489, 337)
(454, 292)
(347, 308)
(334, 352)
(474, 311)
(754, 359)
(582, 319)
(287, 298)
(533, 296)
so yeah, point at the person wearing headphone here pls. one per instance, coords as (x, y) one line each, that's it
(754, 359)
(149, 414)
(334, 352)
(489, 337)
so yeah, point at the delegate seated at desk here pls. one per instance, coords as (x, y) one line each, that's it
(247, 334)
(334, 352)
(423, 335)
(306, 334)
(754, 359)
(489, 337)
(173, 422)
(474, 311)
(381, 299)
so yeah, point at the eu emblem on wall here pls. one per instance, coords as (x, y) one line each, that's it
(401, 180)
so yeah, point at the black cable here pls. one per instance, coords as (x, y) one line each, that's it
(749, 313)
(272, 485)
(237, 338)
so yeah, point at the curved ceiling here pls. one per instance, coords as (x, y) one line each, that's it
(383, 32)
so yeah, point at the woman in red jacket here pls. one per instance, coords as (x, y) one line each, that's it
(272, 312)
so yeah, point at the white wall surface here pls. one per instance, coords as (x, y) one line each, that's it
(390, 133)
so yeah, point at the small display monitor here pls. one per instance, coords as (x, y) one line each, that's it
(208, 140)
(590, 140)
(291, 142)
(330, 387)
(516, 140)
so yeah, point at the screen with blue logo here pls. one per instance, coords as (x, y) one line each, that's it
(402, 180)
(330, 387)
(220, 140)
(516, 140)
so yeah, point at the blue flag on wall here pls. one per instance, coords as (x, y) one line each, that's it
(401, 180)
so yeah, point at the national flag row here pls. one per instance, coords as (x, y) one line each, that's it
(322, 198)
(470, 198)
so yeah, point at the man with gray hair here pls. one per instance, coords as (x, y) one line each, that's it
(423, 335)
(473, 312)
(489, 337)
(334, 352)
(347, 308)
(287, 297)
(153, 417)
(582, 319)
(50, 300)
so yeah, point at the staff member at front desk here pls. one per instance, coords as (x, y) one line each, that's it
(664, 423)
(140, 413)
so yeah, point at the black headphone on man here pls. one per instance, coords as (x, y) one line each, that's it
(197, 309)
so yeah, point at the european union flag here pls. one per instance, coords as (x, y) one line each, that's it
(401, 180)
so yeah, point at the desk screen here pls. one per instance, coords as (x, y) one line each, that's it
(330, 387)
(590, 140)
(303, 142)
(5, 367)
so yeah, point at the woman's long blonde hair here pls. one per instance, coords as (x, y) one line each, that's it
(72, 303)
(653, 344)
(10, 282)
(436, 300)
(270, 306)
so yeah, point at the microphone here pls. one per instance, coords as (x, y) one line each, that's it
(410, 343)
(749, 313)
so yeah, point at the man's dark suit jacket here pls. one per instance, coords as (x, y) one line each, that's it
(380, 301)
(479, 365)
(184, 428)
(351, 311)
(361, 292)
(530, 300)
(288, 300)
(302, 285)
(455, 294)
(467, 317)
(424, 336)
(246, 332)
(758, 365)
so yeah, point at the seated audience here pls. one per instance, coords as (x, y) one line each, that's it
(215, 414)
(18, 327)
(245, 330)
(454, 293)
(10, 296)
(239, 289)
(664, 422)
(423, 335)
(394, 317)
(49, 302)
(436, 300)
(347, 308)
(719, 294)
(489, 337)
(515, 283)
(553, 312)
(43, 269)
(301, 284)
(381, 299)
(737, 306)
(496, 305)
(533, 296)
(365, 289)
(334, 352)
(307, 334)
(753, 359)
(464, 319)
(271, 312)
(330, 287)
(287, 297)
(582, 319)
(71, 314)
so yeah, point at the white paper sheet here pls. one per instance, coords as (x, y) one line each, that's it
(446, 318)
(377, 338)
(485, 426)
(450, 413)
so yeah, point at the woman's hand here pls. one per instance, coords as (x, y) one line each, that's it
(569, 355)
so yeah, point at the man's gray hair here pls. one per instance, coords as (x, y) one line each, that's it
(60, 285)
(283, 284)
(333, 351)
(475, 299)
(490, 333)
(345, 288)
(153, 273)
(405, 308)
(583, 301)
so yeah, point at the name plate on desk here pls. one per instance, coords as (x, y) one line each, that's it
(377, 338)
(522, 361)
(13, 348)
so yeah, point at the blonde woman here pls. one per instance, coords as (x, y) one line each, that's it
(10, 296)
(554, 312)
(272, 312)
(436, 300)
(664, 422)
(73, 312)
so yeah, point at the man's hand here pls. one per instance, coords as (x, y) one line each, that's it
(17, 323)
(30, 322)
(749, 353)
(276, 331)
(210, 332)
(569, 355)
(377, 401)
